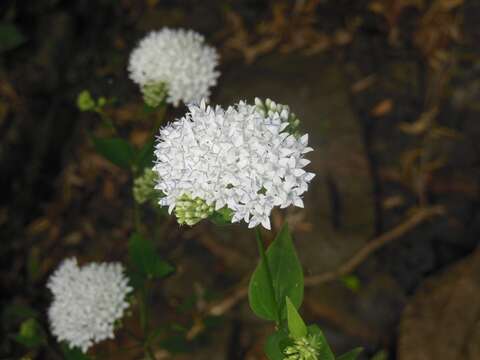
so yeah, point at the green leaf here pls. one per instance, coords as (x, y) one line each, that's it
(325, 351)
(145, 259)
(31, 334)
(14, 313)
(10, 37)
(351, 355)
(144, 156)
(287, 277)
(275, 345)
(117, 150)
(351, 282)
(73, 353)
(296, 326)
(222, 216)
(147, 109)
(381, 355)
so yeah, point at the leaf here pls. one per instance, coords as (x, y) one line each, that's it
(325, 351)
(10, 37)
(144, 156)
(421, 125)
(351, 282)
(287, 277)
(15, 313)
(382, 108)
(73, 353)
(448, 5)
(117, 150)
(31, 334)
(351, 355)
(381, 355)
(222, 216)
(145, 259)
(296, 326)
(275, 344)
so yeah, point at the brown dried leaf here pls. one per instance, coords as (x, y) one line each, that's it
(448, 5)
(109, 190)
(138, 137)
(363, 84)
(409, 163)
(421, 125)
(38, 226)
(342, 37)
(444, 132)
(382, 108)
(393, 202)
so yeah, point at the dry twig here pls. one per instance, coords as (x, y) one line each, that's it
(419, 217)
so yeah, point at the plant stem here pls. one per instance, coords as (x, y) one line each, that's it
(150, 354)
(144, 310)
(263, 256)
(136, 216)
(144, 322)
(106, 121)
(159, 117)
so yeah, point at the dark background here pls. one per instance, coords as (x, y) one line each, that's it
(389, 92)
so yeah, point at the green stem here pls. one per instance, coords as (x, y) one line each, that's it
(136, 216)
(106, 121)
(144, 310)
(149, 353)
(144, 294)
(159, 117)
(264, 258)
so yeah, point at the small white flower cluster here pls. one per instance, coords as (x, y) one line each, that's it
(179, 59)
(87, 302)
(240, 158)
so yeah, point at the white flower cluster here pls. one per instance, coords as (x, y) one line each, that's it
(179, 59)
(240, 158)
(87, 302)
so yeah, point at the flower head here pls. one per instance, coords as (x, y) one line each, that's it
(306, 348)
(87, 301)
(239, 158)
(175, 63)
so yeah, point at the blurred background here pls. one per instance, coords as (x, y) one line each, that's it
(389, 91)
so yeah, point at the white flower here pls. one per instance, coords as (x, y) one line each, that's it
(240, 158)
(180, 59)
(87, 302)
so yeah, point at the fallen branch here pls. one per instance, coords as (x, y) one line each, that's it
(419, 217)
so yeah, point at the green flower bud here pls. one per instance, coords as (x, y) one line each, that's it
(190, 211)
(269, 107)
(154, 94)
(144, 187)
(306, 348)
(28, 328)
(85, 102)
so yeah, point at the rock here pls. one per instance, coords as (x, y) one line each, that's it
(442, 321)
